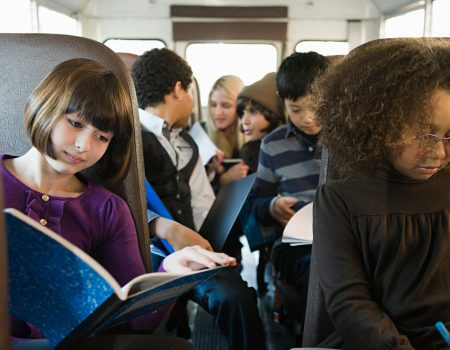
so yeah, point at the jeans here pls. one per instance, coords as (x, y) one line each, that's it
(234, 305)
(293, 264)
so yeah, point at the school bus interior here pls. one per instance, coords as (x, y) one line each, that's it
(247, 38)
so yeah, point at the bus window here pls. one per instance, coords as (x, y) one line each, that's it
(15, 16)
(325, 48)
(209, 61)
(409, 24)
(56, 22)
(439, 22)
(136, 46)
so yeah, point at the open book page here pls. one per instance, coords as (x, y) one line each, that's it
(299, 229)
(155, 279)
(206, 147)
(67, 294)
(156, 293)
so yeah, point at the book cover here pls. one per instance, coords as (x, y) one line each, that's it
(257, 235)
(155, 204)
(225, 210)
(67, 294)
(299, 229)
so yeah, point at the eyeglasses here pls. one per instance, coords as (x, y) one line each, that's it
(431, 140)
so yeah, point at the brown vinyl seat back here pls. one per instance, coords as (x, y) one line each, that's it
(24, 61)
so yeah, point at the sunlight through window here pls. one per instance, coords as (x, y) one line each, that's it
(439, 24)
(409, 24)
(250, 62)
(136, 46)
(15, 16)
(55, 22)
(325, 48)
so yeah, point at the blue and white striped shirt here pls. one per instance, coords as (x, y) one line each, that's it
(288, 165)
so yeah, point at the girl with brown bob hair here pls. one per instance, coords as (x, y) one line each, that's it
(381, 228)
(79, 118)
(96, 95)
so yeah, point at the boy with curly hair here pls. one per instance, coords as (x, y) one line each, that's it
(173, 167)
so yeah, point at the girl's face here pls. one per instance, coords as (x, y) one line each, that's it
(76, 144)
(422, 157)
(253, 124)
(222, 110)
(302, 114)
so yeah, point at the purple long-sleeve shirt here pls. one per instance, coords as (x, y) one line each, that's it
(98, 222)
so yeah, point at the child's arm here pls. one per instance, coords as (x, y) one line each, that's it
(281, 208)
(265, 188)
(117, 247)
(178, 235)
(236, 172)
(119, 254)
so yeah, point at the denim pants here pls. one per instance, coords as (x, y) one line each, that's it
(293, 265)
(234, 305)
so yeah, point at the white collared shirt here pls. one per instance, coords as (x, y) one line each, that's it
(180, 152)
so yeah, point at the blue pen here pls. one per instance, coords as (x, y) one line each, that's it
(444, 331)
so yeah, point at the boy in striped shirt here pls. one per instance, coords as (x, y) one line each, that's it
(288, 170)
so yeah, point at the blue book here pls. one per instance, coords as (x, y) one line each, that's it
(155, 204)
(67, 294)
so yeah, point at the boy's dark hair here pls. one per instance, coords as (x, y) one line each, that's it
(155, 74)
(244, 102)
(377, 96)
(297, 72)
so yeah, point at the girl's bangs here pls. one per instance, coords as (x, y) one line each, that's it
(94, 105)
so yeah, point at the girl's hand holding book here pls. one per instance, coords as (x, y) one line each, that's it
(195, 258)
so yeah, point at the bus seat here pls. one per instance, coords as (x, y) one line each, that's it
(128, 59)
(196, 115)
(318, 326)
(24, 61)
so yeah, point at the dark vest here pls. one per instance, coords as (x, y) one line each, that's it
(171, 185)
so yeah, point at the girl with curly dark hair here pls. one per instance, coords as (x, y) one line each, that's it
(382, 228)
